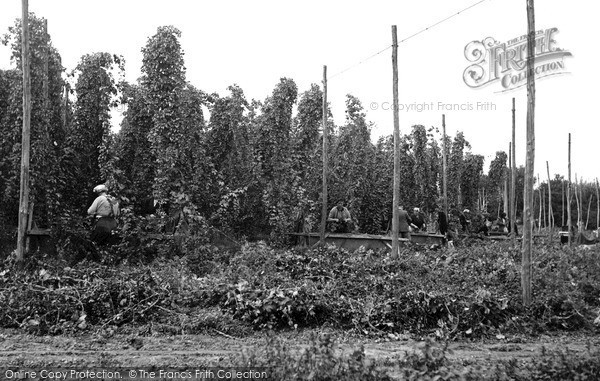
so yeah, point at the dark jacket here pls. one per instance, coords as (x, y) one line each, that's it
(442, 222)
(403, 221)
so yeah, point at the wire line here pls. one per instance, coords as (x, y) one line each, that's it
(407, 38)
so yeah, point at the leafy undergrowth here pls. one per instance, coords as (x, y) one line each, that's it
(321, 361)
(470, 292)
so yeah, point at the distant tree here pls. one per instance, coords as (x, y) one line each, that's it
(307, 137)
(352, 166)
(382, 186)
(435, 172)
(229, 146)
(96, 90)
(228, 141)
(281, 189)
(47, 130)
(135, 158)
(455, 169)
(183, 173)
(10, 153)
(470, 180)
(425, 170)
(273, 146)
(163, 79)
(496, 176)
(407, 180)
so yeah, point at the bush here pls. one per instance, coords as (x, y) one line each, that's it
(466, 293)
(319, 361)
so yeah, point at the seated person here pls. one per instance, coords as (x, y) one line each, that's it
(487, 226)
(465, 220)
(339, 219)
(564, 233)
(418, 220)
(501, 222)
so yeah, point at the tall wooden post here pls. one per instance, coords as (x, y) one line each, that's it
(530, 159)
(597, 205)
(543, 206)
(513, 182)
(550, 211)
(587, 217)
(541, 215)
(580, 212)
(325, 161)
(445, 167)
(508, 202)
(562, 206)
(506, 193)
(577, 204)
(569, 224)
(396, 196)
(24, 189)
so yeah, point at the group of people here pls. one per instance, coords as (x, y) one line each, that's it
(498, 225)
(340, 221)
(105, 210)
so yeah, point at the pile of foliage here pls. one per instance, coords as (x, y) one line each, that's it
(470, 292)
(474, 291)
(51, 296)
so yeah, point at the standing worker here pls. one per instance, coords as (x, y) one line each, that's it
(404, 223)
(104, 209)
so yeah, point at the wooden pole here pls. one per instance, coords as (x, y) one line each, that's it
(587, 219)
(577, 204)
(508, 202)
(324, 212)
(396, 196)
(550, 212)
(569, 224)
(543, 206)
(540, 214)
(597, 205)
(580, 186)
(513, 182)
(505, 195)
(562, 183)
(24, 188)
(530, 159)
(445, 167)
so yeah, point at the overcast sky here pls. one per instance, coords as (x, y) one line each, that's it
(254, 43)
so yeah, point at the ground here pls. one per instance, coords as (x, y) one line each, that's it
(19, 350)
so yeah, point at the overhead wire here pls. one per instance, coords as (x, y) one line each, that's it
(406, 39)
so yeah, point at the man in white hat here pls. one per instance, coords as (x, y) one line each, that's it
(465, 220)
(104, 209)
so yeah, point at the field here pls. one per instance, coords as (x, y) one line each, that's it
(307, 314)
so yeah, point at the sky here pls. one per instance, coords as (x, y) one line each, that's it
(255, 43)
